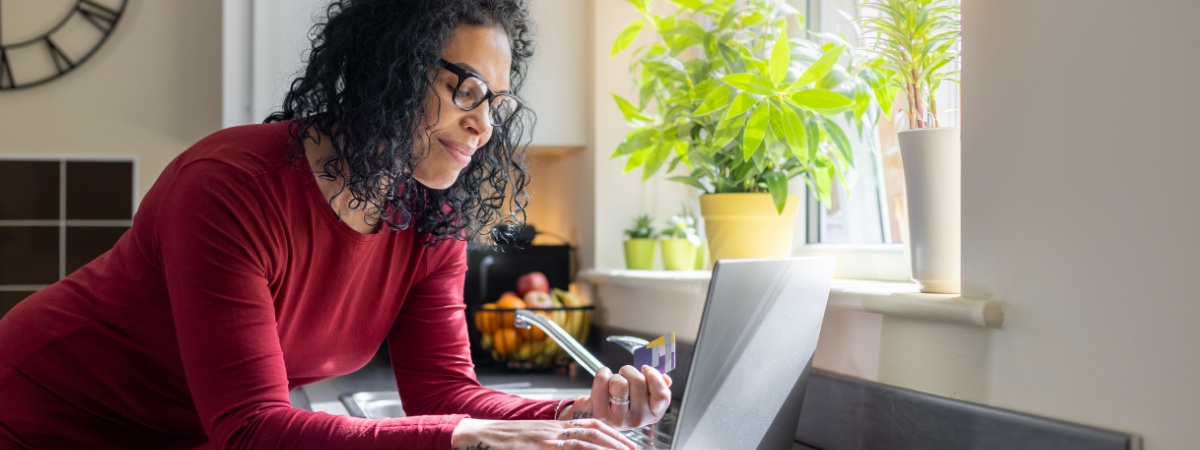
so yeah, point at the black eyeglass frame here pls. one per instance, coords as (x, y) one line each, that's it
(463, 74)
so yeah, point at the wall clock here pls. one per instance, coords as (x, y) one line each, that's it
(42, 40)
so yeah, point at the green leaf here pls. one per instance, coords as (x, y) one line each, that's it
(756, 128)
(886, 96)
(813, 130)
(631, 112)
(626, 37)
(839, 140)
(820, 68)
(637, 158)
(729, 16)
(780, 57)
(727, 130)
(795, 126)
(681, 148)
(640, 5)
(751, 83)
(672, 64)
(690, 4)
(741, 103)
(821, 99)
(822, 179)
(717, 99)
(786, 125)
(635, 141)
(655, 160)
(778, 187)
(688, 181)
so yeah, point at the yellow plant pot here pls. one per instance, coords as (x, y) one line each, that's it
(639, 253)
(748, 226)
(678, 254)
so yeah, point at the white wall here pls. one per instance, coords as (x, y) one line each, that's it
(264, 45)
(151, 91)
(620, 196)
(557, 85)
(1079, 214)
(1080, 208)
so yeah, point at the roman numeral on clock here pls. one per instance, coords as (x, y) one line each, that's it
(61, 62)
(6, 71)
(100, 16)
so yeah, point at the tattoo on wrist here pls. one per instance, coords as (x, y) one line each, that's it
(478, 446)
(576, 414)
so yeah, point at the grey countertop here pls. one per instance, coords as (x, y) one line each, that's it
(377, 376)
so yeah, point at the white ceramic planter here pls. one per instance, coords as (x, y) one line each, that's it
(933, 188)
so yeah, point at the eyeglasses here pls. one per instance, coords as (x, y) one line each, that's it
(472, 90)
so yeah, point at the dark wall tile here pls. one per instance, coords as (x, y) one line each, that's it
(9, 299)
(28, 255)
(30, 190)
(86, 243)
(99, 190)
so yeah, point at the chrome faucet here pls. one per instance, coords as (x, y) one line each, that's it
(526, 319)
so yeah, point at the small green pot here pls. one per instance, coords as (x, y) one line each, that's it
(639, 254)
(678, 254)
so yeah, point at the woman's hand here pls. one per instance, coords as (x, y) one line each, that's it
(625, 400)
(581, 434)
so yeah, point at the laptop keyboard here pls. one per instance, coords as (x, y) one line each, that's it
(656, 436)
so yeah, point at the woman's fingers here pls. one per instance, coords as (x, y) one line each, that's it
(596, 432)
(599, 396)
(639, 397)
(618, 388)
(583, 445)
(660, 391)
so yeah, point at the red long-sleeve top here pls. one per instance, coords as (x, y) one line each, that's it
(236, 284)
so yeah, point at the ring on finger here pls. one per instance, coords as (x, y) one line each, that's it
(561, 444)
(619, 401)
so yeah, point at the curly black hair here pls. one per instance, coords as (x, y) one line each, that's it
(369, 69)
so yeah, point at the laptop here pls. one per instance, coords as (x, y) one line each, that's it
(752, 357)
(749, 368)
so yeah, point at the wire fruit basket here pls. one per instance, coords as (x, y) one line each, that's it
(532, 348)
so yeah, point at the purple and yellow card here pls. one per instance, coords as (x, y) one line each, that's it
(659, 354)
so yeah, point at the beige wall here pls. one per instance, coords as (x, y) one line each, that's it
(151, 91)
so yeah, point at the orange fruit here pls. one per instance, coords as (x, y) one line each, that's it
(506, 341)
(506, 319)
(534, 333)
(487, 322)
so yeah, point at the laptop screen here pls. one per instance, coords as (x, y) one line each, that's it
(753, 353)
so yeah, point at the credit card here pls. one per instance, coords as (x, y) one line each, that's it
(659, 354)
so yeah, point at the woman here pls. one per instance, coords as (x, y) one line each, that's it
(270, 256)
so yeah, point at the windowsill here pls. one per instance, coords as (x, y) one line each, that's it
(890, 298)
(862, 261)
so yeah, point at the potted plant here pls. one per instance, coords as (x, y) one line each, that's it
(747, 109)
(681, 242)
(915, 40)
(639, 247)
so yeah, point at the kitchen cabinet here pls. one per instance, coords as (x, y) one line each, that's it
(263, 42)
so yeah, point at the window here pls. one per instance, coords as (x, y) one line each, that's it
(62, 214)
(865, 228)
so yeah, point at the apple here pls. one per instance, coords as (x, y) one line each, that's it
(539, 299)
(532, 281)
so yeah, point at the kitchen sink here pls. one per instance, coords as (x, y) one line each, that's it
(380, 404)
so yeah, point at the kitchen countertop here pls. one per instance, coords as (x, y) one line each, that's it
(377, 375)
